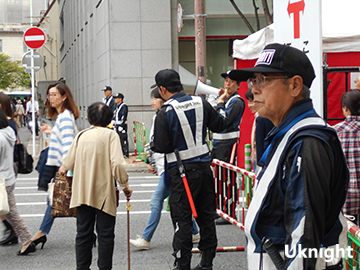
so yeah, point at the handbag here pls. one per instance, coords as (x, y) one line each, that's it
(23, 158)
(62, 196)
(17, 111)
(4, 204)
(51, 192)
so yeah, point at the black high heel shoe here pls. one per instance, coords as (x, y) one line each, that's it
(30, 248)
(42, 240)
(9, 238)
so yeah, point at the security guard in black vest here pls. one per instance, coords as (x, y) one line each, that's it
(181, 124)
(232, 108)
(120, 117)
(109, 100)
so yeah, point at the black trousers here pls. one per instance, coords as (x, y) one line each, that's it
(201, 184)
(36, 122)
(124, 142)
(105, 225)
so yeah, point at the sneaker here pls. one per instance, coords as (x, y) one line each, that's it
(196, 238)
(140, 243)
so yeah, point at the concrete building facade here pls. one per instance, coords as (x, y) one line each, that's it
(50, 51)
(11, 41)
(117, 43)
(123, 43)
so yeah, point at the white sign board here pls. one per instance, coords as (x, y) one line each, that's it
(26, 62)
(298, 22)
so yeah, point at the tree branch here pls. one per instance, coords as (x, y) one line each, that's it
(268, 16)
(256, 15)
(242, 16)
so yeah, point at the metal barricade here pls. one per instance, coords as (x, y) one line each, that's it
(354, 243)
(141, 138)
(233, 187)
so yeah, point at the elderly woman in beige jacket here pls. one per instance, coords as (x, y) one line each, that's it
(96, 158)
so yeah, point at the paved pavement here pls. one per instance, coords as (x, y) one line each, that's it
(59, 251)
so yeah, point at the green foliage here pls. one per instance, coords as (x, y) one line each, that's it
(12, 75)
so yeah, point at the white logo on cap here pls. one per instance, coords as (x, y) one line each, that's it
(266, 57)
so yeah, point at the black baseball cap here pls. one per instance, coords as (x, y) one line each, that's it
(279, 58)
(168, 78)
(225, 74)
(119, 95)
(106, 88)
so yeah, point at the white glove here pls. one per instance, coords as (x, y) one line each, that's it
(113, 122)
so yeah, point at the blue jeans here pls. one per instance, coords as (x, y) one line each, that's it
(157, 201)
(255, 166)
(47, 220)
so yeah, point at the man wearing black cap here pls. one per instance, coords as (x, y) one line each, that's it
(230, 105)
(120, 117)
(181, 125)
(109, 100)
(303, 183)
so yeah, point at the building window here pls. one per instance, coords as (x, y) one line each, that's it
(62, 32)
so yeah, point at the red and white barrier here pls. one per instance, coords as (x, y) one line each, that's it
(222, 249)
(353, 229)
(229, 179)
(230, 219)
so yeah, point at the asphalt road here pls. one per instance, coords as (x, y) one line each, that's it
(59, 250)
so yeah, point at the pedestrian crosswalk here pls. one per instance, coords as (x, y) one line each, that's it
(32, 203)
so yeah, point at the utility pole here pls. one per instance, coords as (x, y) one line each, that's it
(200, 40)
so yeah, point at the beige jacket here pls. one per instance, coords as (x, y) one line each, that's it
(96, 159)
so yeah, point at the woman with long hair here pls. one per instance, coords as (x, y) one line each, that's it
(62, 107)
(7, 141)
(9, 236)
(5, 105)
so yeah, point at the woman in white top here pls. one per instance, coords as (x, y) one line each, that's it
(60, 105)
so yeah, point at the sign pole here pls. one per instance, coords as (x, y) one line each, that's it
(33, 100)
(34, 38)
(200, 40)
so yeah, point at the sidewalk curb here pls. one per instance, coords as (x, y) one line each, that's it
(137, 169)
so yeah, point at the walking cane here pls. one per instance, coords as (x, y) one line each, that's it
(128, 207)
(186, 184)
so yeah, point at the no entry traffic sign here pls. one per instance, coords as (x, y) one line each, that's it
(34, 37)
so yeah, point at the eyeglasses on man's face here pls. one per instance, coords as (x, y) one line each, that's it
(261, 80)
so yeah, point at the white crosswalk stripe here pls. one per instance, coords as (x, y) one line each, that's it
(32, 202)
